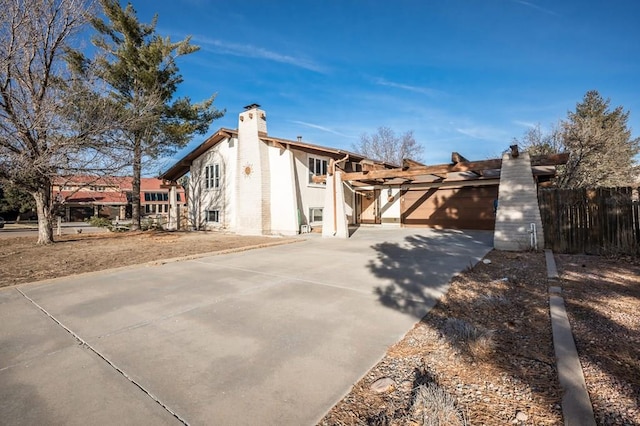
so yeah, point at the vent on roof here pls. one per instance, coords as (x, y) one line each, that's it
(252, 106)
(299, 138)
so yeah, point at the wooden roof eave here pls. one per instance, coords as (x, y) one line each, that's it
(316, 149)
(413, 172)
(550, 160)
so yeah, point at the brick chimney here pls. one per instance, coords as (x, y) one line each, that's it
(517, 205)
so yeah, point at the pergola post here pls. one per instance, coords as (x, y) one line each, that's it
(334, 215)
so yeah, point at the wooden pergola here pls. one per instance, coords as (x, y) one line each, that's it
(374, 174)
(454, 179)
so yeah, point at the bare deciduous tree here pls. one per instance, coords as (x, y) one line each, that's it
(538, 142)
(385, 145)
(47, 127)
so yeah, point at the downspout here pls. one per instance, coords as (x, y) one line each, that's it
(334, 163)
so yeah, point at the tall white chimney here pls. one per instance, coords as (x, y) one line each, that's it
(253, 177)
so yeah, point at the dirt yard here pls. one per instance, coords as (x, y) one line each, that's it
(484, 355)
(21, 260)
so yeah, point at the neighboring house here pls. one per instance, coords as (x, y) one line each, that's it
(154, 198)
(248, 182)
(81, 197)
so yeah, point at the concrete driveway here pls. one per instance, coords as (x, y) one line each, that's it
(269, 336)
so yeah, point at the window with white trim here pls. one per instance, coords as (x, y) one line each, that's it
(212, 176)
(315, 214)
(213, 216)
(317, 167)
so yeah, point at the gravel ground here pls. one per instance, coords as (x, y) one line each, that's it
(484, 354)
(603, 300)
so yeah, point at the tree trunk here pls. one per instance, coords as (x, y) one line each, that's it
(135, 186)
(44, 210)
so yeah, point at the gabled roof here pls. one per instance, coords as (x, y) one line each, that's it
(181, 167)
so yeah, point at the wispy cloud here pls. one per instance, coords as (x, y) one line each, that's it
(416, 89)
(322, 128)
(527, 124)
(483, 132)
(251, 51)
(535, 6)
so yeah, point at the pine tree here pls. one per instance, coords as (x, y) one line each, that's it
(140, 70)
(14, 199)
(601, 150)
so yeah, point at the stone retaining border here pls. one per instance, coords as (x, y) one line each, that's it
(576, 405)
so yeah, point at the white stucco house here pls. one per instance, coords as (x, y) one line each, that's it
(248, 182)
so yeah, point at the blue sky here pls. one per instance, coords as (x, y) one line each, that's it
(464, 75)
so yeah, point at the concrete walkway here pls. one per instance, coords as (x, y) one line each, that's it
(30, 229)
(576, 405)
(269, 336)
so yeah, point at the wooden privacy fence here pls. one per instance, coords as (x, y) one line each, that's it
(594, 221)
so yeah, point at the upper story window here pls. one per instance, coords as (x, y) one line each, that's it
(212, 176)
(156, 196)
(317, 167)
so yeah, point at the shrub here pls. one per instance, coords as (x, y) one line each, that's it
(492, 300)
(148, 223)
(101, 222)
(476, 341)
(432, 406)
(120, 228)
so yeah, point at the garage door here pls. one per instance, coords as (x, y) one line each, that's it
(456, 208)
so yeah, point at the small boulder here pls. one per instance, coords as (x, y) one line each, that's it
(383, 385)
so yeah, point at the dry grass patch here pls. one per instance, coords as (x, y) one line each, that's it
(21, 260)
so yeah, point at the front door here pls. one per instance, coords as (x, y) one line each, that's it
(369, 206)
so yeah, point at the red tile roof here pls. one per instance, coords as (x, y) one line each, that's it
(121, 183)
(155, 185)
(94, 197)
